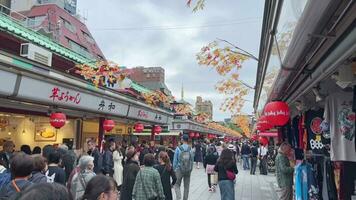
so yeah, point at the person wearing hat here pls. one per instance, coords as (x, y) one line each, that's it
(129, 174)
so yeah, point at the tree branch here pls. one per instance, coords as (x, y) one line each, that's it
(246, 52)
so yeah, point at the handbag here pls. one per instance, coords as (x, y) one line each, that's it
(210, 169)
(230, 175)
(154, 197)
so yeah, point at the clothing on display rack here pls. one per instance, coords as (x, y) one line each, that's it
(338, 113)
(313, 120)
(295, 131)
(305, 183)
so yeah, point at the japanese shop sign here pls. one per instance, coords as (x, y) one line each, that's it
(138, 113)
(36, 90)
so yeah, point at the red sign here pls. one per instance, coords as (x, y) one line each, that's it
(64, 96)
(277, 113)
(268, 134)
(57, 120)
(108, 124)
(142, 114)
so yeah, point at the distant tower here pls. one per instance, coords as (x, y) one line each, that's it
(182, 93)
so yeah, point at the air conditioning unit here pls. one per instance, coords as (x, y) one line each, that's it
(36, 53)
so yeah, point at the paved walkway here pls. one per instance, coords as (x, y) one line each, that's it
(248, 187)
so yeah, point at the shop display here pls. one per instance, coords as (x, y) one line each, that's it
(339, 114)
(313, 120)
(305, 183)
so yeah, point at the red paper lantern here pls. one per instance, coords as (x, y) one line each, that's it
(254, 137)
(263, 140)
(191, 134)
(108, 124)
(277, 113)
(197, 135)
(157, 129)
(57, 120)
(263, 124)
(139, 128)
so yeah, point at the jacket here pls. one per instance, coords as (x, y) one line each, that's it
(176, 161)
(284, 172)
(5, 158)
(79, 183)
(98, 160)
(245, 150)
(108, 163)
(221, 169)
(9, 191)
(38, 177)
(129, 177)
(211, 159)
(148, 184)
(69, 162)
(166, 180)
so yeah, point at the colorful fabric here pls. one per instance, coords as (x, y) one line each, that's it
(305, 183)
(148, 185)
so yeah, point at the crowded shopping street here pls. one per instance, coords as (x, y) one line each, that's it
(177, 100)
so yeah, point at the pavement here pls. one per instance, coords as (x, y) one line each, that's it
(248, 187)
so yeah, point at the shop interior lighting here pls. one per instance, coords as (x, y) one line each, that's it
(9, 133)
(318, 96)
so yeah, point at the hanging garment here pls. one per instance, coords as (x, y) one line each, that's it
(305, 183)
(341, 118)
(295, 130)
(313, 120)
(329, 188)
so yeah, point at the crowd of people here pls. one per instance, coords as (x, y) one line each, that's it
(251, 154)
(139, 172)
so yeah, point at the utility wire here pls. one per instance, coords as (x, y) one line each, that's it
(159, 28)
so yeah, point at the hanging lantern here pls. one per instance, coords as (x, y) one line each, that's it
(277, 113)
(157, 129)
(263, 124)
(191, 134)
(254, 137)
(108, 124)
(139, 128)
(57, 120)
(197, 135)
(263, 141)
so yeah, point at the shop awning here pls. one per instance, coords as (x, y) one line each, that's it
(268, 134)
(161, 134)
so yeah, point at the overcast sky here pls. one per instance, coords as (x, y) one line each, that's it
(167, 33)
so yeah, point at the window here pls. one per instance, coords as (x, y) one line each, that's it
(88, 37)
(36, 21)
(68, 25)
(79, 48)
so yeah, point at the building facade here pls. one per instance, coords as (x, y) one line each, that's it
(58, 20)
(150, 77)
(204, 107)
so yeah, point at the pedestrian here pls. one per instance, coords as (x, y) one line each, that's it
(254, 155)
(237, 147)
(218, 147)
(262, 154)
(209, 164)
(2, 167)
(101, 188)
(26, 149)
(170, 151)
(8, 148)
(39, 169)
(131, 169)
(145, 150)
(183, 166)
(227, 170)
(108, 160)
(45, 191)
(48, 149)
(55, 173)
(118, 157)
(21, 169)
(148, 185)
(95, 153)
(36, 150)
(245, 154)
(68, 158)
(166, 172)
(284, 172)
(82, 178)
(198, 156)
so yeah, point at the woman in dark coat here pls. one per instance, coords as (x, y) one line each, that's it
(129, 175)
(166, 171)
(209, 165)
(198, 157)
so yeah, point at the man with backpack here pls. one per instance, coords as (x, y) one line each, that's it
(183, 166)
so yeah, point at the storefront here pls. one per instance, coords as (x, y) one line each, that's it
(316, 77)
(30, 92)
